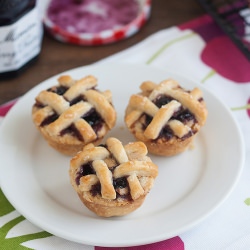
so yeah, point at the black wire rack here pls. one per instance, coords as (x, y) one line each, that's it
(233, 16)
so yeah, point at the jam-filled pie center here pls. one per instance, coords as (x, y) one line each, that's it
(120, 184)
(181, 114)
(113, 171)
(75, 108)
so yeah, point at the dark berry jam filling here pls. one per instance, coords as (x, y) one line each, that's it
(39, 105)
(166, 133)
(161, 100)
(85, 169)
(49, 119)
(94, 120)
(91, 117)
(77, 99)
(118, 183)
(185, 116)
(60, 90)
(182, 115)
(95, 189)
(72, 130)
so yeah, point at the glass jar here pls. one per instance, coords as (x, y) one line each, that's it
(20, 36)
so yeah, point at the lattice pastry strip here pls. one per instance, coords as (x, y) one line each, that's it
(138, 153)
(101, 101)
(66, 81)
(179, 129)
(140, 168)
(162, 87)
(140, 104)
(134, 170)
(189, 101)
(165, 115)
(103, 107)
(161, 118)
(105, 177)
(136, 189)
(124, 163)
(38, 117)
(70, 116)
(87, 181)
(73, 113)
(89, 154)
(80, 87)
(154, 89)
(56, 102)
(85, 130)
(117, 150)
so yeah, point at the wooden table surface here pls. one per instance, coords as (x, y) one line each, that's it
(56, 57)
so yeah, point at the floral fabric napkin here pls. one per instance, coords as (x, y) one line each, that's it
(199, 50)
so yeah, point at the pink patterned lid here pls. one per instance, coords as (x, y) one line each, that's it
(95, 22)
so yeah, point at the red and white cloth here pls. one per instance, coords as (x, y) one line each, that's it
(202, 52)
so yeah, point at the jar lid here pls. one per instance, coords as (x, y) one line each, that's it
(83, 31)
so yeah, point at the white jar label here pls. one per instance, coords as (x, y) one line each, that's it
(20, 42)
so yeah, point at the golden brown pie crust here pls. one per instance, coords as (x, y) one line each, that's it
(110, 209)
(79, 98)
(143, 105)
(112, 162)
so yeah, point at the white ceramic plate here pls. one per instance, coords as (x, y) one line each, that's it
(189, 187)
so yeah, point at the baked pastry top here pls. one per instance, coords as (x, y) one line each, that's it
(73, 113)
(110, 178)
(165, 112)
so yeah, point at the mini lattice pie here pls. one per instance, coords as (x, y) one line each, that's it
(73, 114)
(165, 116)
(112, 179)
